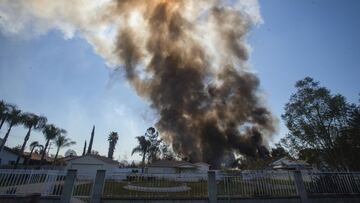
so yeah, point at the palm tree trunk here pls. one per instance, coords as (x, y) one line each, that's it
(5, 138)
(21, 152)
(2, 122)
(56, 155)
(44, 152)
(111, 151)
(143, 162)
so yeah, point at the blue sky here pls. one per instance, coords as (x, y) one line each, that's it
(68, 82)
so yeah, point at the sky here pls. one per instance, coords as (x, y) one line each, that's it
(68, 82)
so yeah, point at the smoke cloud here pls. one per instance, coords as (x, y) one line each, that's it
(187, 58)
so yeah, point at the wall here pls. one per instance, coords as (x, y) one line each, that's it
(6, 157)
(89, 165)
(160, 170)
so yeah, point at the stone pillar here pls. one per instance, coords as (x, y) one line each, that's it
(300, 187)
(98, 186)
(68, 186)
(212, 187)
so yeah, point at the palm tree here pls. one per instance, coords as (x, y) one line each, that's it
(33, 145)
(113, 138)
(143, 149)
(13, 117)
(50, 132)
(4, 108)
(62, 141)
(30, 121)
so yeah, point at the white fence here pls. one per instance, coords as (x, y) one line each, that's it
(250, 184)
(257, 184)
(19, 182)
(331, 183)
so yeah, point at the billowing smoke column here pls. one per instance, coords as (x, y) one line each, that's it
(203, 96)
(187, 58)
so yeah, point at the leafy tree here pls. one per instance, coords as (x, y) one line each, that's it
(279, 151)
(50, 132)
(17, 148)
(61, 141)
(30, 121)
(316, 120)
(113, 138)
(142, 148)
(13, 117)
(350, 142)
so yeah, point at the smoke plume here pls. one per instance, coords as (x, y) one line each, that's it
(187, 58)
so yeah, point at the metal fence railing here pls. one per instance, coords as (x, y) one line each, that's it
(257, 184)
(22, 182)
(331, 183)
(83, 187)
(122, 185)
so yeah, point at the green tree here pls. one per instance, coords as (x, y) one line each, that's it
(13, 117)
(30, 121)
(142, 149)
(316, 120)
(17, 148)
(279, 151)
(113, 138)
(61, 141)
(50, 132)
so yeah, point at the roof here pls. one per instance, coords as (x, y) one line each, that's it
(101, 158)
(201, 163)
(289, 163)
(171, 164)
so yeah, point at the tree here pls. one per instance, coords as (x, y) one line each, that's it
(50, 132)
(13, 117)
(154, 149)
(113, 138)
(30, 121)
(33, 145)
(4, 111)
(350, 142)
(61, 141)
(279, 151)
(142, 148)
(316, 120)
(17, 148)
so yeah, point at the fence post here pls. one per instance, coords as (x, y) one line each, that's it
(300, 187)
(98, 186)
(68, 186)
(212, 187)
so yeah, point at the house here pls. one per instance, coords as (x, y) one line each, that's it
(8, 156)
(289, 164)
(202, 167)
(176, 167)
(89, 164)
